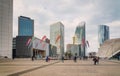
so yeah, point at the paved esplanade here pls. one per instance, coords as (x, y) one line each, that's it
(26, 67)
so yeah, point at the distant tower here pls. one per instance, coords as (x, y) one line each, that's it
(26, 26)
(6, 27)
(80, 33)
(57, 37)
(74, 39)
(103, 33)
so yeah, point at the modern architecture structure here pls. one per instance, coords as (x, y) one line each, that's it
(80, 37)
(28, 46)
(57, 37)
(6, 26)
(74, 49)
(103, 33)
(110, 49)
(25, 26)
(22, 50)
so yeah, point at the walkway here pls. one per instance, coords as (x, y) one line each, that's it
(57, 68)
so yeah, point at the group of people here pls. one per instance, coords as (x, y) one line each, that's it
(96, 60)
(75, 58)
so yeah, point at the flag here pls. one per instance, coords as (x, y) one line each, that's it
(83, 42)
(43, 38)
(30, 44)
(87, 43)
(58, 37)
(29, 40)
(33, 38)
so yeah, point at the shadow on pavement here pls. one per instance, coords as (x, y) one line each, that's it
(29, 70)
(86, 65)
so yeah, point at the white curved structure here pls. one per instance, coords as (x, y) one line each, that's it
(109, 48)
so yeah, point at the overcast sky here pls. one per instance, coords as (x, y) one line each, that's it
(70, 13)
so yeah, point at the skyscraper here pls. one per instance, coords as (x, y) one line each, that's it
(26, 26)
(80, 37)
(6, 25)
(57, 37)
(103, 33)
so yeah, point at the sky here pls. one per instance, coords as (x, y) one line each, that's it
(70, 13)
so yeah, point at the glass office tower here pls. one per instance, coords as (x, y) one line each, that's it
(6, 26)
(103, 33)
(57, 37)
(26, 26)
(80, 37)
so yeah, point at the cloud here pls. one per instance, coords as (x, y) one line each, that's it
(114, 28)
(70, 13)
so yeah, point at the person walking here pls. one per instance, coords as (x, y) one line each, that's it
(32, 58)
(75, 58)
(62, 59)
(95, 60)
(47, 59)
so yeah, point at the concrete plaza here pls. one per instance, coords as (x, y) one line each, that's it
(26, 67)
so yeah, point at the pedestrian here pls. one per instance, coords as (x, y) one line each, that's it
(95, 60)
(75, 58)
(47, 59)
(62, 59)
(32, 58)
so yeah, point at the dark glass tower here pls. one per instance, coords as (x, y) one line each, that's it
(26, 26)
(103, 33)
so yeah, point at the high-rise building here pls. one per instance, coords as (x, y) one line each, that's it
(6, 25)
(26, 26)
(80, 37)
(57, 37)
(103, 33)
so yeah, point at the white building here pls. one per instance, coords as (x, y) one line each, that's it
(6, 25)
(110, 48)
(41, 46)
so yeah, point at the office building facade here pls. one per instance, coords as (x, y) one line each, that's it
(26, 48)
(74, 49)
(103, 33)
(23, 51)
(80, 37)
(6, 26)
(57, 37)
(25, 26)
